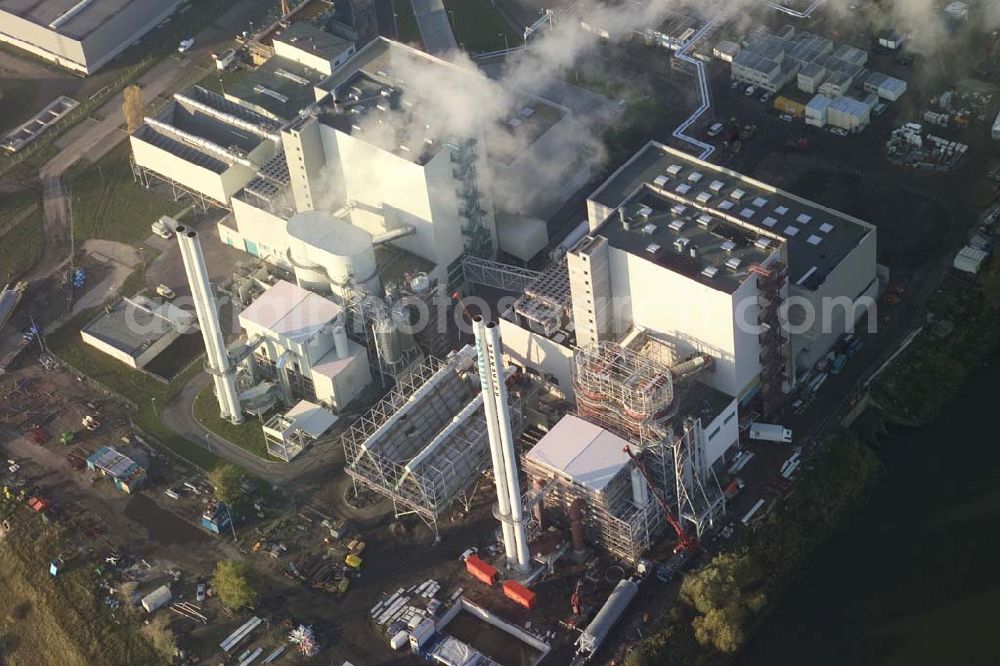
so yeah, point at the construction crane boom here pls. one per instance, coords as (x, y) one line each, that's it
(685, 541)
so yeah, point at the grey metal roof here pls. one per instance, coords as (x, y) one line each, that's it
(279, 88)
(783, 214)
(308, 37)
(129, 327)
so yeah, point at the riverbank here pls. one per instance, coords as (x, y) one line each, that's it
(912, 581)
(731, 597)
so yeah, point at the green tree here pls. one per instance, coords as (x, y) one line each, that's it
(723, 592)
(227, 481)
(235, 584)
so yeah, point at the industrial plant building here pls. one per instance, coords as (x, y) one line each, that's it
(136, 330)
(80, 35)
(203, 144)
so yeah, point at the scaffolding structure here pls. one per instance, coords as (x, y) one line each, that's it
(699, 495)
(478, 238)
(620, 388)
(425, 444)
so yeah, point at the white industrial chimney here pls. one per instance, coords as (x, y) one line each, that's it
(217, 359)
(492, 430)
(492, 378)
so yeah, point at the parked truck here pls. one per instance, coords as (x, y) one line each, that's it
(770, 432)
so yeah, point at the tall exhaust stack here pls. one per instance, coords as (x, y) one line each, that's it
(217, 363)
(498, 377)
(492, 430)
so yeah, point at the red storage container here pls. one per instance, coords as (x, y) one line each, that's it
(481, 570)
(519, 593)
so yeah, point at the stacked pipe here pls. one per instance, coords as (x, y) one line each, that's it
(498, 428)
(217, 358)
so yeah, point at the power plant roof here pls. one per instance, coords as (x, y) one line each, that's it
(290, 312)
(75, 18)
(818, 237)
(586, 453)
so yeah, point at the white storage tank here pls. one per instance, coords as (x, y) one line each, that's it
(328, 252)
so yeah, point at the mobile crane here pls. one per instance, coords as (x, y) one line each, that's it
(685, 542)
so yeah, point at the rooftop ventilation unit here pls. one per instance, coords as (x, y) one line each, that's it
(737, 194)
(660, 181)
(674, 169)
(683, 188)
(653, 248)
(826, 228)
(733, 263)
(270, 93)
(760, 202)
(791, 231)
(747, 213)
(676, 225)
(781, 210)
(645, 212)
(704, 220)
(681, 243)
(762, 243)
(528, 111)
(678, 209)
(649, 229)
(725, 205)
(694, 177)
(770, 221)
(703, 197)
(716, 186)
(803, 218)
(728, 246)
(814, 240)
(709, 271)
(285, 74)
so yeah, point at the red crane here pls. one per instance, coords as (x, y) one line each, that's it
(684, 540)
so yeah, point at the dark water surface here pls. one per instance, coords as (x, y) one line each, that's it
(915, 576)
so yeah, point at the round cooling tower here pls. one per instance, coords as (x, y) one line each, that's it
(328, 253)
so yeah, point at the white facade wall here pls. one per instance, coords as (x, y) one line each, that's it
(590, 284)
(218, 186)
(535, 351)
(722, 433)
(690, 316)
(340, 390)
(321, 62)
(263, 234)
(854, 278)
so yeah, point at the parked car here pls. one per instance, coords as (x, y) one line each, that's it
(766, 97)
(165, 291)
(879, 108)
(185, 45)
(162, 230)
(786, 117)
(715, 129)
(839, 131)
(199, 593)
(751, 91)
(735, 85)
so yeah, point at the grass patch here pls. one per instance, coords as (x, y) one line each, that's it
(58, 620)
(149, 394)
(478, 26)
(22, 240)
(18, 102)
(248, 435)
(108, 203)
(407, 29)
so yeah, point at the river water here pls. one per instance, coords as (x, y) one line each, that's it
(913, 579)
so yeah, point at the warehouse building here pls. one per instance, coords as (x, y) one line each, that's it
(136, 330)
(82, 35)
(848, 113)
(885, 86)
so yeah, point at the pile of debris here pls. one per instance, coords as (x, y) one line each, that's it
(911, 146)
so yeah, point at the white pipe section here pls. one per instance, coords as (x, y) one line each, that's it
(493, 430)
(497, 377)
(229, 118)
(224, 154)
(208, 318)
(706, 99)
(806, 13)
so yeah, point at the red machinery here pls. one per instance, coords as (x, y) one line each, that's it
(684, 540)
(575, 599)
